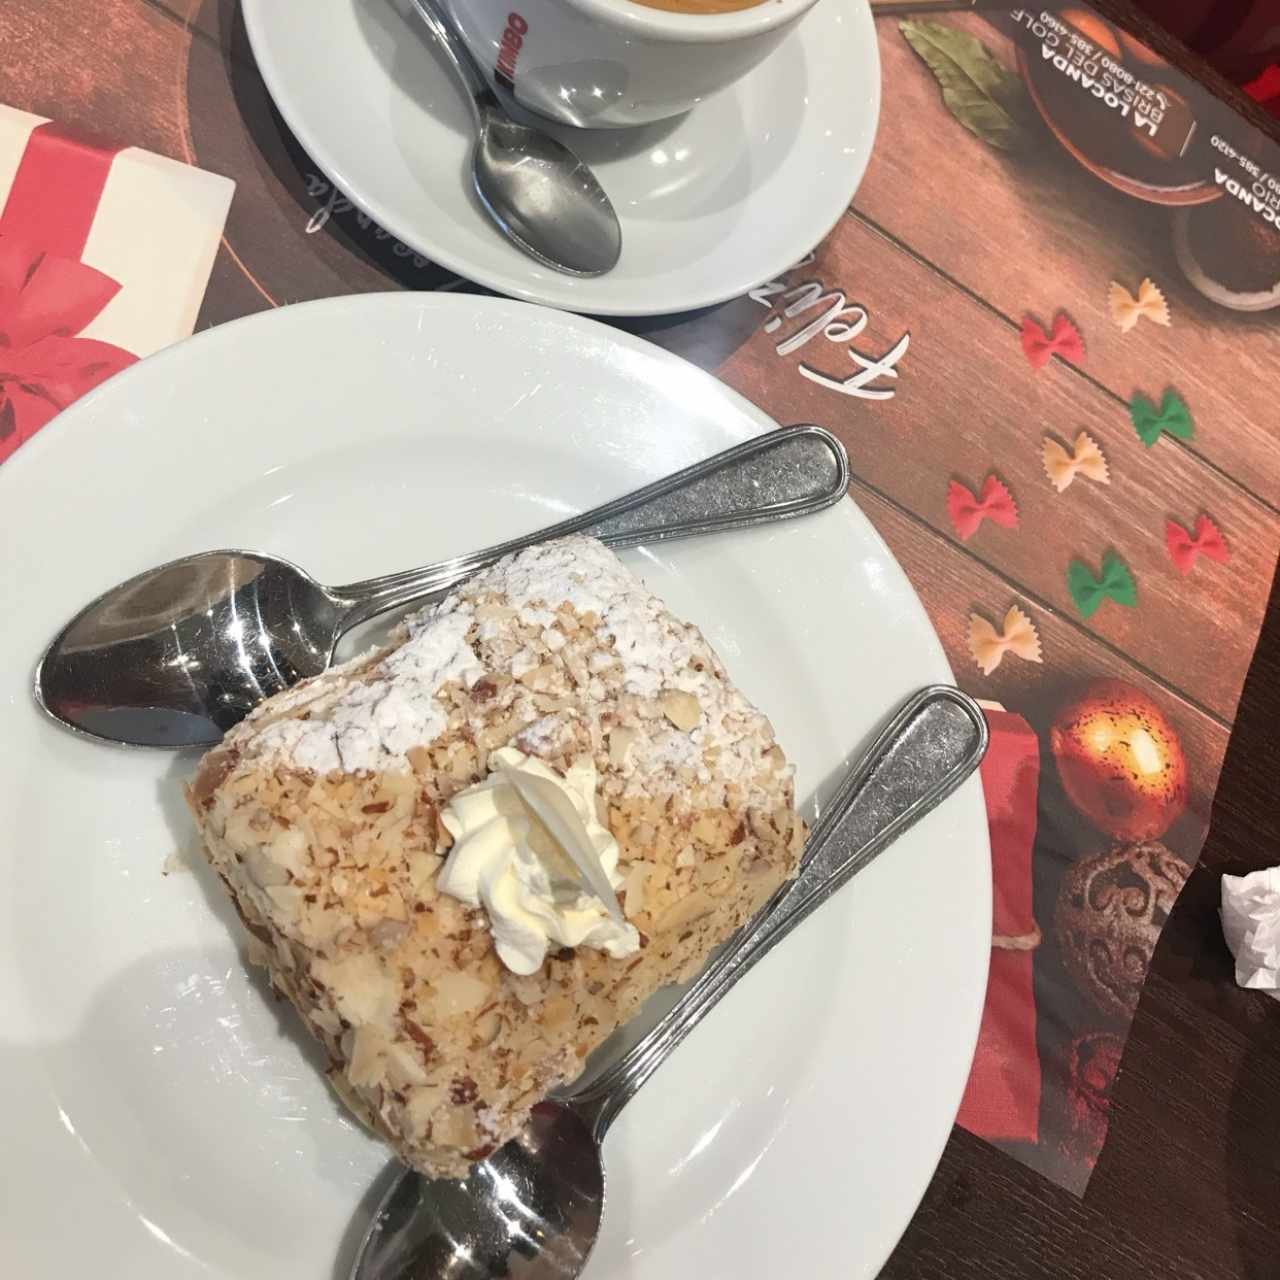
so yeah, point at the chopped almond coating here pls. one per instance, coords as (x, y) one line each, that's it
(321, 814)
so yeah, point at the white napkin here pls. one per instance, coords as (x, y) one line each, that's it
(1251, 923)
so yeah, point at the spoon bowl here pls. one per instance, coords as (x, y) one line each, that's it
(179, 654)
(531, 1210)
(543, 197)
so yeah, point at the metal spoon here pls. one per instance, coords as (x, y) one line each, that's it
(543, 198)
(533, 1208)
(179, 654)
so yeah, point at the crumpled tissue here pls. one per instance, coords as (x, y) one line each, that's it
(1251, 923)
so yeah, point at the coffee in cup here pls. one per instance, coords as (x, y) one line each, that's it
(700, 6)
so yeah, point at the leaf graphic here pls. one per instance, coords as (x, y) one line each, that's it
(988, 100)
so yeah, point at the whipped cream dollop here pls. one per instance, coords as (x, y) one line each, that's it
(507, 861)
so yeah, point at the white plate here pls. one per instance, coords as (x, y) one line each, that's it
(711, 204)
(161, 1110)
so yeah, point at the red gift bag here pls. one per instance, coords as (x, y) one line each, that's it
(1002, 1099)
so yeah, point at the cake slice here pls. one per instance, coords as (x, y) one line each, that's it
(426, 922)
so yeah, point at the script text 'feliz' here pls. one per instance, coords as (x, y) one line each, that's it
(839, 322)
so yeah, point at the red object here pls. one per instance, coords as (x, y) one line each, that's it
(56, 190)
(44, 301)
(1184, 548)
(1063, 340)
(1265, 90)
(1002, 1099)
(1238, 37)
(1092, 1067)
(968, 512)
(47, 295)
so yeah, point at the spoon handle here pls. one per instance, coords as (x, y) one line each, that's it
(794, 471)
(933, 743)
(480, 94)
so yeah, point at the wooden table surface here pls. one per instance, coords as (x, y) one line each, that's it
(1188, 1184)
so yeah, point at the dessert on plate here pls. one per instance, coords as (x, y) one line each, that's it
(469, 856)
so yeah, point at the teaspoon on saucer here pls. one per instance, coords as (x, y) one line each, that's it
(533, 1209)
(540, 195)
(177, 655)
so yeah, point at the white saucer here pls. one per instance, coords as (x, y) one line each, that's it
(711, 204)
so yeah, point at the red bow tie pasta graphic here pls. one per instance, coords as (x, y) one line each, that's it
(45, 301)
(967, 511)
(1063, 340)
(1184, 548)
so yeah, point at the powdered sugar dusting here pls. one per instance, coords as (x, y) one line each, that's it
(587, 576)
(373, 724)
(656, 651)
(526, 618)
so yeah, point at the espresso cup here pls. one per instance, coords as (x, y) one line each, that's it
(607, 64)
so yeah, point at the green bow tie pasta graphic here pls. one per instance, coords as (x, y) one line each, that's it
(1151, 423)
(1116, 583)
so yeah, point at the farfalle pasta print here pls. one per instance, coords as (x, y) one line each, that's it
(1147, 304)
(1017, 636)
(1084, 458)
